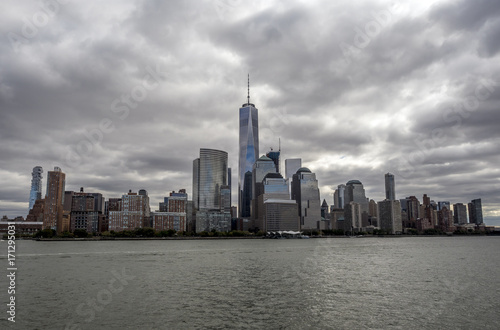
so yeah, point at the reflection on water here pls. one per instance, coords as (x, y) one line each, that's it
(374, 283)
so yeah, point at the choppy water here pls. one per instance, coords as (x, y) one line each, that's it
(362, 283)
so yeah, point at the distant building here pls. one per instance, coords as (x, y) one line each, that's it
(292, 165)
(389, 216)
(443, 204)
(36, 186)
(134, 212)
(54, 199)
(445, 220)
(475, 211)
(36, 212)
(352, 218)
(211, 192)
(173, 213)
(306, 193)
(339, 199)
(87, 211)
(276, 210)
(355, 192)
(263, 166)
(390, 190)
(459, 214)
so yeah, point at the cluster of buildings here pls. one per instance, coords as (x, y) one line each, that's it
(352, 211)
(267, 200)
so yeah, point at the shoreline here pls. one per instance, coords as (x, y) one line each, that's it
(60, 239)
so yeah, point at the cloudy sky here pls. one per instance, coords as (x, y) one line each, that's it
(122, 95)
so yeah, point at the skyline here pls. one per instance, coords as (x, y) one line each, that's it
(353, 93)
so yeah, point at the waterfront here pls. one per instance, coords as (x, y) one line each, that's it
(376, 283)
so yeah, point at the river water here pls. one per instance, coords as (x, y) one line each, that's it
(338, 283)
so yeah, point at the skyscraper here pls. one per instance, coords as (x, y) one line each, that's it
(355, 192)
(339, 200)
(210, 191)
(390, 190)
(209, 175)
(249, 151)
(262, 166)
(306, 193)
(475, 211)
(36, 185)
(389, 216)
(54, 199)
(459, 214)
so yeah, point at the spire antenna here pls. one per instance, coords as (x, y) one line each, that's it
(248, 97)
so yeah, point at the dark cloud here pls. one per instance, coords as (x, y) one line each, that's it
(395, 103)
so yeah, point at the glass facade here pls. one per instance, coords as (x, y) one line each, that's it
(36, 185)
(209, 175)
(390, 190)
(248, 153)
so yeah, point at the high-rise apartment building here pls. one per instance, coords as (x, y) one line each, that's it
(475, 211)
(248, 153)
(54, 199)
(390, 189)
(305, 192)
(173, 213)
(134, 212)
(36, 185)
(87, 211)
(459, 214)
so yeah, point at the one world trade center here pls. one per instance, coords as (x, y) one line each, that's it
(249, 151)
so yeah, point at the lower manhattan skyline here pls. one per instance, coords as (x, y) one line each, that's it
(124, 99)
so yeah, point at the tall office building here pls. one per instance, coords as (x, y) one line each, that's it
(36, 185)
(248, 153)
(261, 168)
(390, 190)
(475, 211)
(355, 192)
(211, 192)
(54, 199)
(209, 175)
(339, 200)
(305, 192)
(459, 214)
(276, 210)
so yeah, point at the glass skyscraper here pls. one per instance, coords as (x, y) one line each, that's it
(36, 185)
(390, 190)
(209, 175)
(249, 151)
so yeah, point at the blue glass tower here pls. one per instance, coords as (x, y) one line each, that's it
(249, 151)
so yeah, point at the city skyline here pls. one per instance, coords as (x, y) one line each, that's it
(400, 98)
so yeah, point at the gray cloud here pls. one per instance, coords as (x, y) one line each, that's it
(353, 116)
